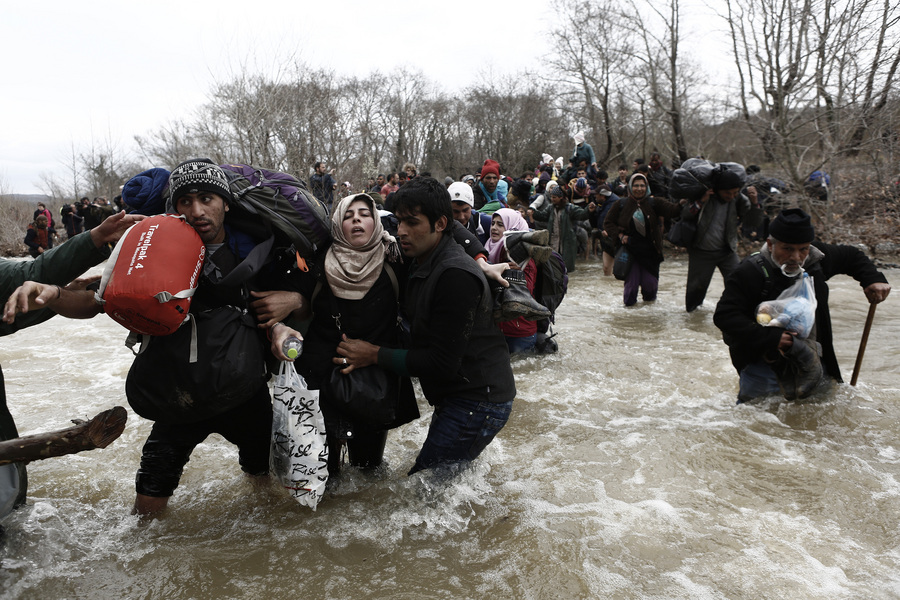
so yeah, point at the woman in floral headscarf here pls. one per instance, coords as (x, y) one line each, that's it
(520, 333)
(636, 225)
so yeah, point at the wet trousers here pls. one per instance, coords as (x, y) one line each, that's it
(168, 448)
(640, 278)
(460, 430)
(701, 266)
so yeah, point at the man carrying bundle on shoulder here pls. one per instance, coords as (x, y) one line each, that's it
(209, 376)
(240, 411)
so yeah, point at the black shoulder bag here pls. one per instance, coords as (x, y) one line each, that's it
(369, 395)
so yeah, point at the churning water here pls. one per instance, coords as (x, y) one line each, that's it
(626, 471)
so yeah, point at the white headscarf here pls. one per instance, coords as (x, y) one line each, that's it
(352, 271)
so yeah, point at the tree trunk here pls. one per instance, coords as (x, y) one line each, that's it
(99, 432)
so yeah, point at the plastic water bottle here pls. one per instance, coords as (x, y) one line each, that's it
(292, 347)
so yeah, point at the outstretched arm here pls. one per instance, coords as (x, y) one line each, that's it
(493, 272)
(113, 227)
(72, 303)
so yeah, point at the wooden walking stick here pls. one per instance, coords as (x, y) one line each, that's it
(862, 344)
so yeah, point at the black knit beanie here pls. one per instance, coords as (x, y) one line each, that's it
(198, 175)
(726, 179)
(792, 226)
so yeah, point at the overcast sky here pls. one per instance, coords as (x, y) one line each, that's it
(81, 71)
(101, 71)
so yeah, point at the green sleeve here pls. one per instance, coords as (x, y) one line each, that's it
(394, 360)
(59, 266)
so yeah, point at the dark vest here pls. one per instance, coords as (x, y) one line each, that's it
(485, 373)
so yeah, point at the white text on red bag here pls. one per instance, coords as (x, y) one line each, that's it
(151, 275)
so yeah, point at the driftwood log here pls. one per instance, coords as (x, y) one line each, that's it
(99, 432)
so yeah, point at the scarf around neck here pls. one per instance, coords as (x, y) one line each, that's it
(352, 271)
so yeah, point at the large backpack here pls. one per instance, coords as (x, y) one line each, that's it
(552, 283)
(698, 175)
(269, 203)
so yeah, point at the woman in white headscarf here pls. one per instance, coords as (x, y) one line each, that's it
(355, 292)
(635, 224)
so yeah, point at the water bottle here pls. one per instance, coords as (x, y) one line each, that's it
(292, 347)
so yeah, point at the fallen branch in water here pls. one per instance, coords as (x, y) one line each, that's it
(99, 432)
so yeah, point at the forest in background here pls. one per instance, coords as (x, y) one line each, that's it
(812, 86)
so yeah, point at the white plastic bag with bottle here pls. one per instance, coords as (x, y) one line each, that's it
(299, 457)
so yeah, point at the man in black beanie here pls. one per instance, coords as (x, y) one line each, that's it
(164, 383)
(198, 190)
(758, 351)
(717, 215)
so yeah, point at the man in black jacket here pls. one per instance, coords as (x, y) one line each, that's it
(185, 412)
(756, 350)
(322, 183)
(659, 176)
(717, 216)
(456, 351)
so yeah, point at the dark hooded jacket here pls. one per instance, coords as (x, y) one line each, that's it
(647, 249)
(747, 340)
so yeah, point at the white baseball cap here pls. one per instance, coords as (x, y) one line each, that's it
(461, 192)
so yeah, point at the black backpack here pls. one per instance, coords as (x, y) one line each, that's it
(552, 282)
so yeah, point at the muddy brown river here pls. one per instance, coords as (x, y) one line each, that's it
(626, 471)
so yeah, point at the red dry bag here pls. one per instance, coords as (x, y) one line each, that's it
(151, 275)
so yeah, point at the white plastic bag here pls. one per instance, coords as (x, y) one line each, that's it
(793, 310)
(299, 458)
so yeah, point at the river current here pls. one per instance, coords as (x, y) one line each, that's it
(626, 471)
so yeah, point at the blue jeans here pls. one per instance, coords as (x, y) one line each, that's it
(460, 430)
(521, 344)
(757, 380)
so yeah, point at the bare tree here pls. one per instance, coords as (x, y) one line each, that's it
(816, 60)
(168, 145)
(511, 120)
(407, 95)
(773, 57)
(658, 26)
(589, 57)
(814, 77)
(873, 44)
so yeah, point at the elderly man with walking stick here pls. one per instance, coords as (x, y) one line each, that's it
(785, 354)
